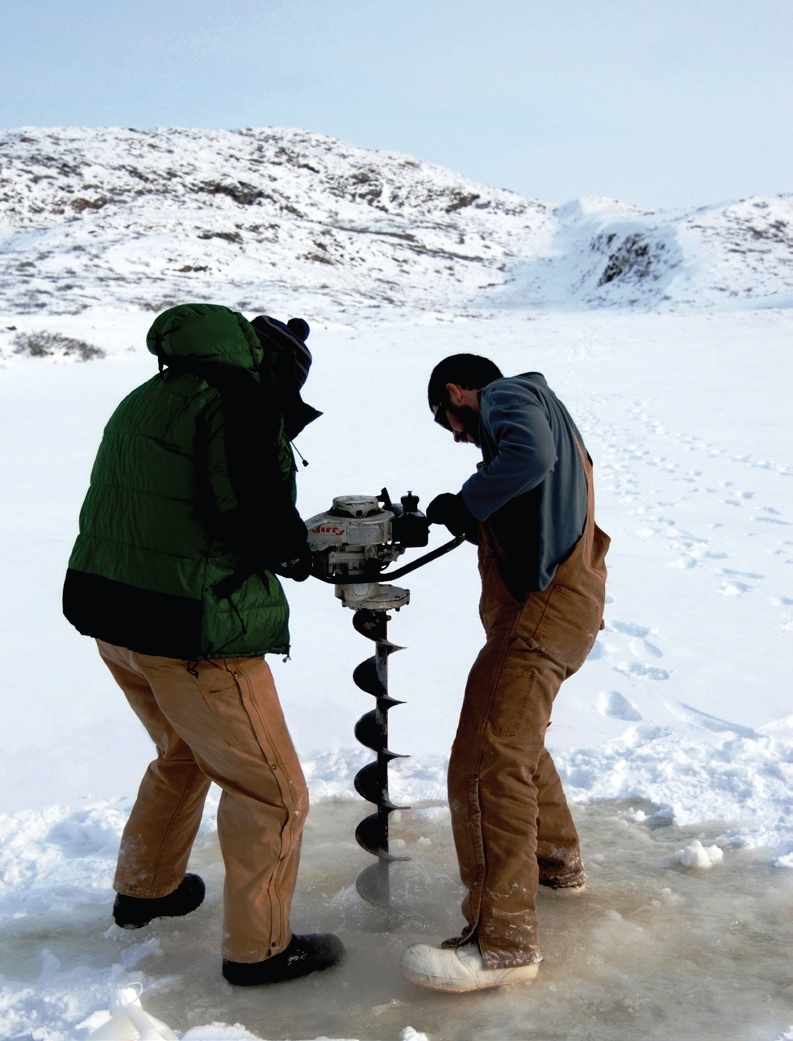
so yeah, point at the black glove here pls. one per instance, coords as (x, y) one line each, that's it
(298, 569)
(451, 510)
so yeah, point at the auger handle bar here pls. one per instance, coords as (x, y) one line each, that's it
(387, 576)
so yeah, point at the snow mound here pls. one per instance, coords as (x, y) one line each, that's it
(698, 856)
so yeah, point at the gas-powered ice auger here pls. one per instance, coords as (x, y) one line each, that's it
(351, 545)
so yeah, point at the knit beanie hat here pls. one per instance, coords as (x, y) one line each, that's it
(289, 338)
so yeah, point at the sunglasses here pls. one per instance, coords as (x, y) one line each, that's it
(440, 413)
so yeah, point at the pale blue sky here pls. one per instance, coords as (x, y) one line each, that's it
(658, 102)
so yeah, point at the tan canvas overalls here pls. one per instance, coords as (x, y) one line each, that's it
(220, 721)
(510, 818)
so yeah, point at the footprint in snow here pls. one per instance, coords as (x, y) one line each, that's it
(644, 649)
(683, 563)
(621, 636)
(734, 588)
(598, 651)
(611, 703)
(706, 721)
(732, 584)
(630, 628)
(638, 671)
(692, 551)
(739, 574)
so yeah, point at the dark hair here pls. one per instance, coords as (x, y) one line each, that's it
(470, 371)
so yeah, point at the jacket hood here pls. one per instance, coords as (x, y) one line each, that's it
(205, 333)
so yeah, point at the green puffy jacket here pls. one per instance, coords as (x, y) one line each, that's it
(191, 500)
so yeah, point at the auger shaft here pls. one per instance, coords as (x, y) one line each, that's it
(371, 782)
(352, 544)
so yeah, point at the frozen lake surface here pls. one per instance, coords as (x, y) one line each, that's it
(651, 949)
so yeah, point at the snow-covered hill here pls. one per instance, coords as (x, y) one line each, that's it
(288, 220)
(120, 216)
(605, 254)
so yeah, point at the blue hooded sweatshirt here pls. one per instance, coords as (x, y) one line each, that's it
(531, 490)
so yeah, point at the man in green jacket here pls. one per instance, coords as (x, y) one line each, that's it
(188, 520)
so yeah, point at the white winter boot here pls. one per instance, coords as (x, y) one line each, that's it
(458, 969)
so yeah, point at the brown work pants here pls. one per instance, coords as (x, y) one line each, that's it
(510, 818)
(215, 721)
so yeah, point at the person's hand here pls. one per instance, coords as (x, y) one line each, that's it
(450, 509)
(298, 569)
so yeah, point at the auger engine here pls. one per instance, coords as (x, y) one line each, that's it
(351, 546)
(357, 538)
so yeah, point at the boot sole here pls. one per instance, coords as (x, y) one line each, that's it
(528, 973)
(265, 981)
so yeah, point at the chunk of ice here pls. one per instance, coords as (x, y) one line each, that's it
(697, 856)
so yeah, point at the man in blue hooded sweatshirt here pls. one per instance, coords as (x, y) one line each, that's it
(530, 506)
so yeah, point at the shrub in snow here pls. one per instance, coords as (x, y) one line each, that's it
(55, 345)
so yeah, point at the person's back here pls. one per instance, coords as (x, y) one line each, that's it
(166, 515)
(532, 487)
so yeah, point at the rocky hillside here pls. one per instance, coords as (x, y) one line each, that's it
(288, 220)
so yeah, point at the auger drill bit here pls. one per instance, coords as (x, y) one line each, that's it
(371, 782)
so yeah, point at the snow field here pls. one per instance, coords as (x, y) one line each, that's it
(676, 737)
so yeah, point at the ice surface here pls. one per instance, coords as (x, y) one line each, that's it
(650, 949)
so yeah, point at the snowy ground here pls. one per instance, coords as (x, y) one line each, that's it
(678, 731)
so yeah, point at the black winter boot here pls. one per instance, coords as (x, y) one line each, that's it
(133, 912)
(303, 955)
